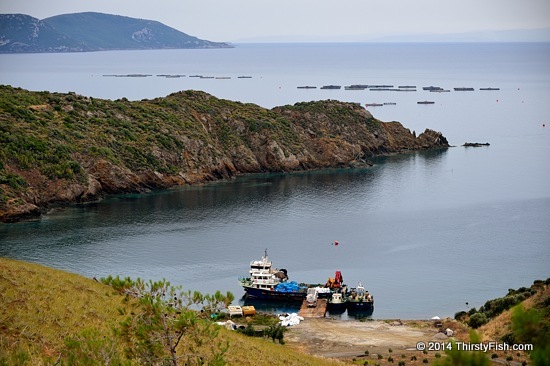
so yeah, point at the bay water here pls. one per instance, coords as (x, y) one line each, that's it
(425, 232)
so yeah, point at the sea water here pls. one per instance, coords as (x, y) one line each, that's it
(425, 232)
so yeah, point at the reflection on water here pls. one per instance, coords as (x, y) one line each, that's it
(360, 314)
(274, 307)
(416, 229)
(425, 232)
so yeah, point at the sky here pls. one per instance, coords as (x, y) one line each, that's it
(309, 20)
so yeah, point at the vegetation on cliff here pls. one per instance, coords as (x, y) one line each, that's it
(522, 316)
(62, 148)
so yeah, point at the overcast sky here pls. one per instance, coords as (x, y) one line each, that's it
(316, 20)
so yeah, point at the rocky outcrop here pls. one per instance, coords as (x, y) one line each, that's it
(78, 149)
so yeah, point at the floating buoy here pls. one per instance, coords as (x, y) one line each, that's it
(335, 243)
(543, 125)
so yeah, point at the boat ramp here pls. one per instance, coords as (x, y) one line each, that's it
(317, 311)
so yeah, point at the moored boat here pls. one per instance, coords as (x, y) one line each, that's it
(337, 303)
(425, 102)
(359, 300)
(267, 283)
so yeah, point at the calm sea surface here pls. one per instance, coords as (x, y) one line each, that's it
(425, 232)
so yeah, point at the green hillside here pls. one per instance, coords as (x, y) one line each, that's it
(61, 148)
(91, 32)
(106, 32)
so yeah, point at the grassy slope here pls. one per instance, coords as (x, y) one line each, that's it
(41, 307)
(501, 325)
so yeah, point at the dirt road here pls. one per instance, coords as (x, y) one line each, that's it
(348, 339)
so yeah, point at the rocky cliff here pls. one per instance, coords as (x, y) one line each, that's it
(65, 148)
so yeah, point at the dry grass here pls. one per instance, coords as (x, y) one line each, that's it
(247, 351)
(496, 328)
(41, 307)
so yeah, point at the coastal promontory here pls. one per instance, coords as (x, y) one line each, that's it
(63, 148)
(91, 31)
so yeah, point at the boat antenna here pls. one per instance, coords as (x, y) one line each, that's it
(265, 253)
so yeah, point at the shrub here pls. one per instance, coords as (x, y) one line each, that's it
(12, 180)
(248, 330)
(477, 320)
(461, 315)
(275, 331)
(162, 317)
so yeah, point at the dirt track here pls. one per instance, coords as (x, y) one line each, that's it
(347, 339)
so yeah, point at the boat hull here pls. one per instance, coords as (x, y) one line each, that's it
(360, 309)
(273, 295)
(263, 294)
(360, 306)
(336, 308)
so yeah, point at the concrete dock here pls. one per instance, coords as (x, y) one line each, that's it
(318, 311)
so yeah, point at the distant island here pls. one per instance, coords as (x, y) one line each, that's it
(62, 148)
(86, 32)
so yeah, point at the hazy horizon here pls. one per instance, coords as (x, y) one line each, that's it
(242, 21)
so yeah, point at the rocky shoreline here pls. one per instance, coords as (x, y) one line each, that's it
(58, 149)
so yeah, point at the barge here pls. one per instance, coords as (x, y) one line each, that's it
(267, 283)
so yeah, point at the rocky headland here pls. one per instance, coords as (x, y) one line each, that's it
(63, 148)
(90, 31)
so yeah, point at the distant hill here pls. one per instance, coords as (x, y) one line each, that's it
(90, 31)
